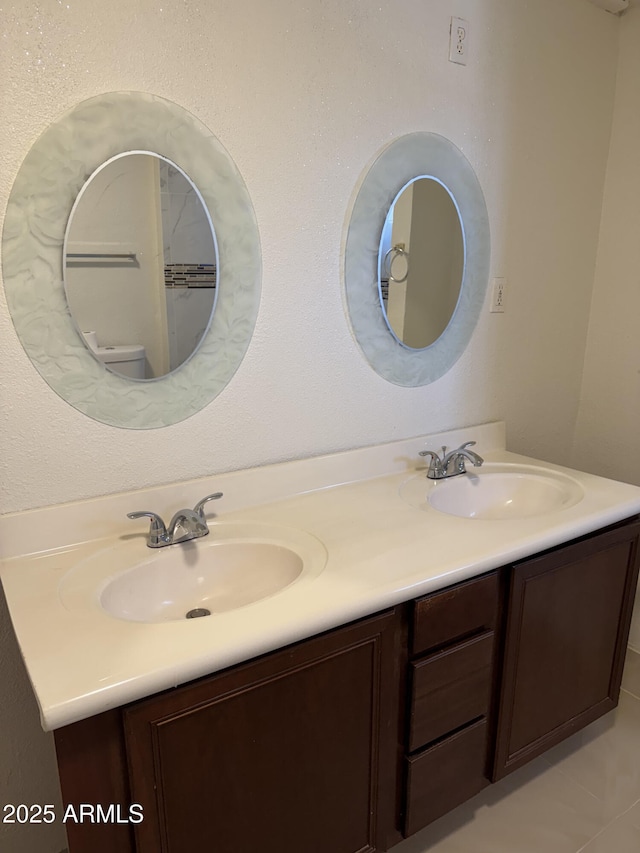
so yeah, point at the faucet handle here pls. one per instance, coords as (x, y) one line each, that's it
(199, 507)
(471, 454)
(435, 464)
(157, 530)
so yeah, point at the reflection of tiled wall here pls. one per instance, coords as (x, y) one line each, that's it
(188, 314)
(186, 229)
(189, 264)
(190, 275)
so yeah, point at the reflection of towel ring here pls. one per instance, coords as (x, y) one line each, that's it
(397, 252)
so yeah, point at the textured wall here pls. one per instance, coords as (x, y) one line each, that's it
(304, 96)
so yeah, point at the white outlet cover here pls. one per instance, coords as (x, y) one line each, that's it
(459, 41)
(498, 295)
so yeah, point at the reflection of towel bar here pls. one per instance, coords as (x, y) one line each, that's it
(125, 256)
(396, 251)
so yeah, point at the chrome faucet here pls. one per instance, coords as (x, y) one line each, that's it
(186, 524)
(452, 463)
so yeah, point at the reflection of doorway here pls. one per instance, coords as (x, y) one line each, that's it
(399, 233)
(117, 213)
(424, 219)
(142, 205)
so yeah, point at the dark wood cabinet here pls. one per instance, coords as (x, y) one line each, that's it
(348, 741)
(450, 688)
(451, 677)
(293, 751)
(446, 774)
(569, 613)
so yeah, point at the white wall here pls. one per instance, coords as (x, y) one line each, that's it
(607, 436)
(304, 96)
(609, 415)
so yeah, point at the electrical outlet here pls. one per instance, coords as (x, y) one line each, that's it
(458, 41)
(498, 295)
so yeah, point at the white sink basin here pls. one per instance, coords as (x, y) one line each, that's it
(499, 492)
(233, 566)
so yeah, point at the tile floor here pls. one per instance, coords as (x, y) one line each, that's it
(583, 795)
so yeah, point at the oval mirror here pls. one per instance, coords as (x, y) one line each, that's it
(450, 302)
(140, 265)
(44, 223)
(421, 262)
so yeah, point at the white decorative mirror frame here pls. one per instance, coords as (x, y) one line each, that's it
(50, 178)
(424, 155)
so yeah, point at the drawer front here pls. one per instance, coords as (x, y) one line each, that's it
(445, 775)
(445, 616)
(450, 689)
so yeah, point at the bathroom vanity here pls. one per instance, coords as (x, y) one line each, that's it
(421, 653)
(363, 735)
(374, 647)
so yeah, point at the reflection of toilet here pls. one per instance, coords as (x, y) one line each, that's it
(129, 360)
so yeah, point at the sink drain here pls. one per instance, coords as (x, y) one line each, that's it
(198, 611)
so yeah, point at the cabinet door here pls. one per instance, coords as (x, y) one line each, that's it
(296, 751)
(568, 624)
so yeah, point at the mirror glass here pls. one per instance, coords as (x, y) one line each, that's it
(55, 214)
(451, 301)
(140, 265)
(421, 262)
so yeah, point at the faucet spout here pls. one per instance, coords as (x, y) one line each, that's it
(186, 524)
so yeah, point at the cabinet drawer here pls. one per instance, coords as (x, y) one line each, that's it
(445, 775)
(449, 689)
(445, 616)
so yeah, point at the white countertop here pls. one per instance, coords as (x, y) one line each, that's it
(381, 550)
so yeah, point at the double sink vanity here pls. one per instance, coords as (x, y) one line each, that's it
(374, 646)
(361, 641)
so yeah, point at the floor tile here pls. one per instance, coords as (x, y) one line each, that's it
(621, 836)
(631, 674)
(535, 810)
(604, 758)
(633, 815)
